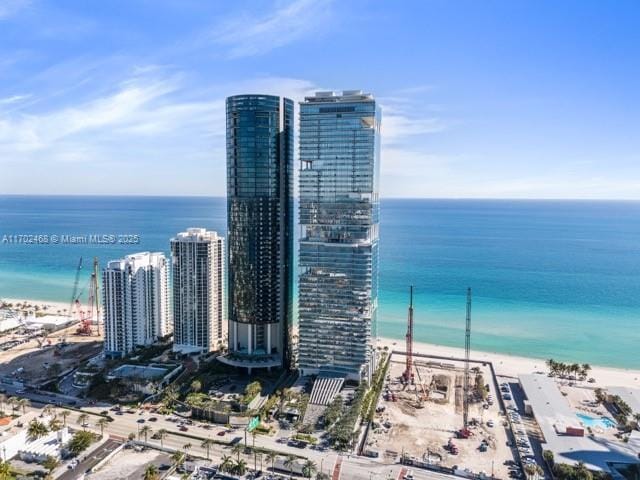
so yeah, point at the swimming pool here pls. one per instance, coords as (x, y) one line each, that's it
(602, 422)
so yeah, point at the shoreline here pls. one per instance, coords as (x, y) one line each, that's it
(52, 307)
(503, 363)
(512, 366)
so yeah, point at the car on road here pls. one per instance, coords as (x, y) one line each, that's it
(183, 428)
(221, 433)
(490, 423)
(140, 420)
(153, 419)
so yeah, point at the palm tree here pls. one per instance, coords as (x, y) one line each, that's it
(309, 468)
(36, 429)
(145, 430)
(236, 449)
(102, 422)
(5, 471)
(161, 434)
(226, 463)
(240, 467)
(196, 386)
(271, 458)
(47, 409)
(177, 457)
(151, 473)
(207, 443)
(55, 424)
(64, 414)
(50, 464)
(82, 420)
(23, 403)
(186, 447)
(170, 395)
(288, 463)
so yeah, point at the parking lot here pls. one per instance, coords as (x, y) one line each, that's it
(525, 434)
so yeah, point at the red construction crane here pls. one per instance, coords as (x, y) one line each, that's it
(92, 313)
(408, 371)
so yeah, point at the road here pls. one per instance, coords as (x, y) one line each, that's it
(352, 467)
(93, 458)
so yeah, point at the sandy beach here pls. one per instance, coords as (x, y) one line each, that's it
(507, 365)
(513, 366)
(53, 308)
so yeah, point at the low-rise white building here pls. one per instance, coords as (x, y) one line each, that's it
(15, 440)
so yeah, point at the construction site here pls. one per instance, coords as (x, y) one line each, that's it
(32, 355)
(437, 412)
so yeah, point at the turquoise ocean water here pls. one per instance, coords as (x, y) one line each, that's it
(550, 278)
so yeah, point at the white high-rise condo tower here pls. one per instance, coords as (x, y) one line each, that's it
(199, 325)
(339, 218)
(136, 302)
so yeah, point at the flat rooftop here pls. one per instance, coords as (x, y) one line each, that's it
(553, 413)
(150, 372)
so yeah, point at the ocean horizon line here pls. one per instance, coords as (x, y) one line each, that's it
(453, 199)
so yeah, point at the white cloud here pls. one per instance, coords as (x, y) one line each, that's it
(249, 35)
(14, 99)
(9, 8)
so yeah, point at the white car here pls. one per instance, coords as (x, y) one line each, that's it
(490, 423)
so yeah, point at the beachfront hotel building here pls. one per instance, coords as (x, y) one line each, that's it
(197, 263)
(260, 230)
(339, 217)
(135, 302)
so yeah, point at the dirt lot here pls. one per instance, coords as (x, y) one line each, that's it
(29, 361)
(128, 463)
(425, 432)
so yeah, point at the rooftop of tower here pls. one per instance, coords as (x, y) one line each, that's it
(345, 95)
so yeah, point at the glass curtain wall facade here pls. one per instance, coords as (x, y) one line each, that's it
(339, 218)
(260, 229)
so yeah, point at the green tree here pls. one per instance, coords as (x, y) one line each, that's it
(226, 463)
(186, 447)
(36, 429)
(80, 442)
(206, 444)
(23, 403)
(145, 430)
(236, 450)
(161, 435)
(196, 386)
(271, 458)
(102, 422)
(83, 420)
(289, 463)
(178, 457)
(309, 468)
(50, 464)
(64, 414)
(55, 424)
(151, 473)
(240, 467)
(5, 471)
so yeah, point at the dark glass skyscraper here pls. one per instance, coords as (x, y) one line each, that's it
(339, 210)
(260, 229)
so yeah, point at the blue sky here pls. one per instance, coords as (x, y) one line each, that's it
(513, 99)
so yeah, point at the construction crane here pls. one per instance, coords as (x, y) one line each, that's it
(464, 433)
(408, 371)
(74, 295)
(93, 310)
